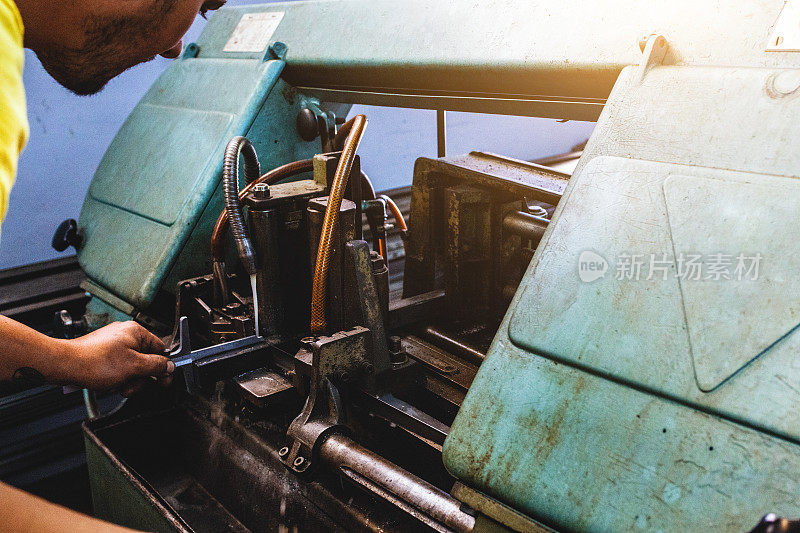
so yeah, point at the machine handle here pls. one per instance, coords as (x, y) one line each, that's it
(67, 234)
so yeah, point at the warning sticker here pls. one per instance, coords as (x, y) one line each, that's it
(253, 32)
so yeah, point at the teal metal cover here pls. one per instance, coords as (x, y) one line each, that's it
(646, 374)
(164, 165)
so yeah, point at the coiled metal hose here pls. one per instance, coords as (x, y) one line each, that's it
(230, 186)
(270, 178)
(329, 223)
(218, 243)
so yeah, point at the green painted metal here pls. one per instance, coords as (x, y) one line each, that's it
(158, 183)
(608, 405)
(155, 197)
(118, 496)
(520, 56)
(160, 170)
(663, 402)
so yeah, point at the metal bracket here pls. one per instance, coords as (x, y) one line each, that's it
(276, 50)
(190, 51)
(654, 49)
(325, 123)
(365, 308)
(340, 358)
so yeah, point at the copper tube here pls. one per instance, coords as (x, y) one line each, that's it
(399, 221)
(320, 287)
(396, 213)
(341, 135)
(270, 178)
(367, 189)
(382, 249)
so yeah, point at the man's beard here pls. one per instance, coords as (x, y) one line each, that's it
(81, 72)
(113, 45)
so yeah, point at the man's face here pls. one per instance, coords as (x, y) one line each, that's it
(114, 42)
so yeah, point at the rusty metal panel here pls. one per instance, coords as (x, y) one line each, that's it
(581, 452)
(615, 399)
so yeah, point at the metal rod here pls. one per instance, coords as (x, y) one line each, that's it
(419, 498)
(526, 225)
(441, 133)
(454, 346)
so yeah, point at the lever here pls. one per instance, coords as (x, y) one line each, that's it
(67, 234)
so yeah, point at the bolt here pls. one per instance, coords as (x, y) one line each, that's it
(261, 191)
(395, 344)
(298, 462)
(283, 452)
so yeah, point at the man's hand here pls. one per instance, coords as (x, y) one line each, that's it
(123, 354)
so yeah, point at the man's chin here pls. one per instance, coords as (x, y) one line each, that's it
(77, 82)
(82, 87)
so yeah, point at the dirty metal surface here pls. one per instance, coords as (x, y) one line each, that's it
(612, 404)
(193, 469)
(466, 56)
(577, 451)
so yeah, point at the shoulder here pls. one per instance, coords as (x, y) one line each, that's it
(13, 113)
(11, 27)
(12, 58)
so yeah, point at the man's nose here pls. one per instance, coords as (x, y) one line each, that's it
(173, 52)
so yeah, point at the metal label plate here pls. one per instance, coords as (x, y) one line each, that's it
(253, 32)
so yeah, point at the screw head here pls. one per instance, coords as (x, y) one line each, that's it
(395, 344)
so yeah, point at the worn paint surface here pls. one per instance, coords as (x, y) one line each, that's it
(661, 404)
(158, 183)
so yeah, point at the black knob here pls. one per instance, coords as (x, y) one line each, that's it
(307, 126)
(67, 234)
(64, 327)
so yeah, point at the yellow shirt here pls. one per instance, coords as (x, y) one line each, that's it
(13, 113)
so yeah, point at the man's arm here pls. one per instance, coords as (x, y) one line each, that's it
(122, 354)
(21, 512)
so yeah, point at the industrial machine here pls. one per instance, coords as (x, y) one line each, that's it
(609, 351)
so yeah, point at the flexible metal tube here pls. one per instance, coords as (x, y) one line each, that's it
(320, 287)
(270, 178)
(218, 243)
(230, 186)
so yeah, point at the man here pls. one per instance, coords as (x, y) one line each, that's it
(82, 44)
